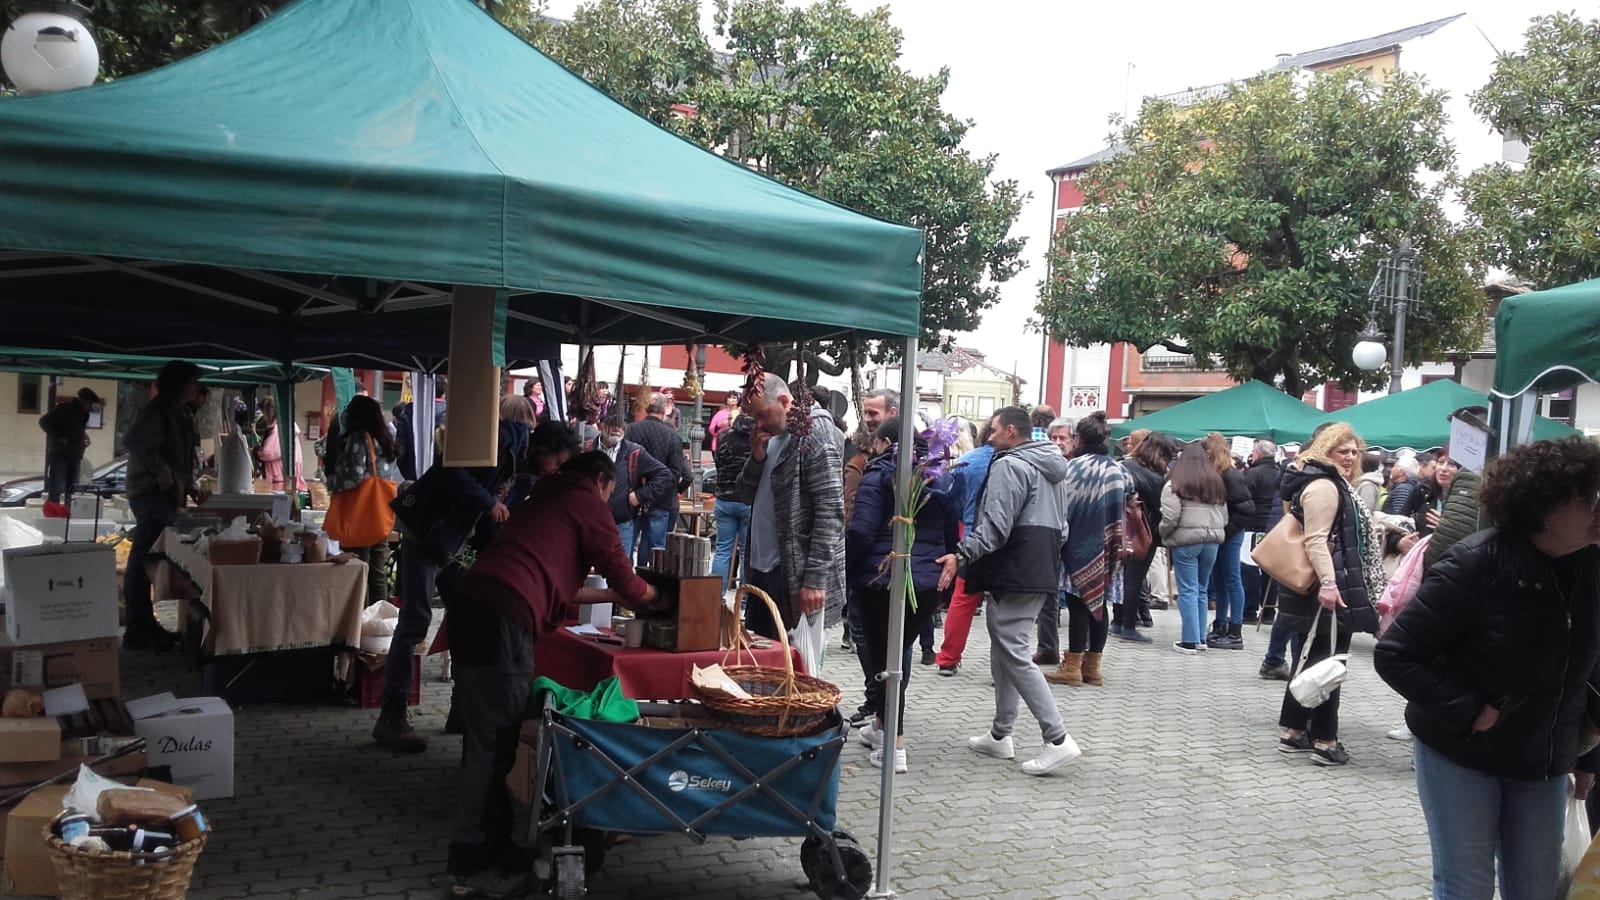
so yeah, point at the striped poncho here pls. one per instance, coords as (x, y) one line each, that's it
(1095, 486)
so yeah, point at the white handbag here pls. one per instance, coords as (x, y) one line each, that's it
(1311, 687)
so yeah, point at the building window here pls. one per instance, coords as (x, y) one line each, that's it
(1561, 406)
(985, 406)
(1085, 396)
(30, 393)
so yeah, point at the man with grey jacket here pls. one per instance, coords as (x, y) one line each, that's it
(1013, 551)
(794, 483)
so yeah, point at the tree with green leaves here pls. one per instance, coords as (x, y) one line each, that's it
(815, 97)
(1541, 219)
(1246, 229)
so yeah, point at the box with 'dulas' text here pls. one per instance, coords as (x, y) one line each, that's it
(193, 735)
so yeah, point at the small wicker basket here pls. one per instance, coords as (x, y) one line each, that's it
(120, 875)
(784, 703)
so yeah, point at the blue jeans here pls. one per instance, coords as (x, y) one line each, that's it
(152, 514)
(416, 589)
(733, 525)
(1227, 585)
(1474, 817)
(652, 528)
(1278, 646)
(61, 478)
(1192, 565)
(625, 530)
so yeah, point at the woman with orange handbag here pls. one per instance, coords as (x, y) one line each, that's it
(361, 478)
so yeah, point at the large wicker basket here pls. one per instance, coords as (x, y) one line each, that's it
(784, 703)
(120, 875)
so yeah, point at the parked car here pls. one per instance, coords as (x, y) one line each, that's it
(109, 480)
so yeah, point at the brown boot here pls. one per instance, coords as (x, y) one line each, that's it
(1091, 669)
(1069, 672)
(395, 732)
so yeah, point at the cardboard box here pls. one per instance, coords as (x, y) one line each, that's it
(30, 740)
(64, 592)
(29, 870)
(519, 781)
(16, 776)
(194, 736)
(93, 663)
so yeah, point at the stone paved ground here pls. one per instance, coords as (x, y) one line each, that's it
(1179, 794)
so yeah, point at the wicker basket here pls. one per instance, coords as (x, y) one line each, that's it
(120, 875)
(783, 702)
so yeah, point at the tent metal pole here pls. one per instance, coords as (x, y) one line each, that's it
(697, 428)
(894, 653)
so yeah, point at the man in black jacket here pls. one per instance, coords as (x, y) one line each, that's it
(643, 483)
(662, 442)
(732, 514)
(1262, 478)
(66, 439)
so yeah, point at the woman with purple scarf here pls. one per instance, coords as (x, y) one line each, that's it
(1096, 486)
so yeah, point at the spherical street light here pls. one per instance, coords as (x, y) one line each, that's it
(50, 48)
(1369, 356)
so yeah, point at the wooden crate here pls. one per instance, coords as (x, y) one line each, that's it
(697, 605)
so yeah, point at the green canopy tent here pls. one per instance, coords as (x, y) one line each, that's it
(1545, 341)
(1419, 418)
(312, 189)
(1254, 409)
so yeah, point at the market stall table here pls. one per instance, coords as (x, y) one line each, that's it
(265, 607)
(645, 673)
(692, 517)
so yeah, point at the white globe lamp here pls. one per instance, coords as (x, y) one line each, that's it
(1369, 354)
(50, 48)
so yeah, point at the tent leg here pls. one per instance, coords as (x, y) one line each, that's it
(898, 589)
(697, 428)
(286, 438)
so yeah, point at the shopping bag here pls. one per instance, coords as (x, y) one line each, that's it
(809, 638)
(1402, 585)
(1282, 555)
(362, 516)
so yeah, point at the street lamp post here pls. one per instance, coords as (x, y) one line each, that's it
(1399, 286)
(50, 47)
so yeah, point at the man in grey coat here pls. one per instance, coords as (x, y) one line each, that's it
(795, 487)
(1013, 551)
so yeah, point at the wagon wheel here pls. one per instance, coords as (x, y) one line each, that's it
(569, 876)
(850, 884)
(595, 843)
(811, 848)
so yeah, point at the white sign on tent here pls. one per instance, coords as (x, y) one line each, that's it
(1469, 444)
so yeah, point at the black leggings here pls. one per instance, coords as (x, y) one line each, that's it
(1085, 630)
(875, 627)
(1133, 575)
(1322, 723)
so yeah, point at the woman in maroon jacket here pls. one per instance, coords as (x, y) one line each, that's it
(516, 593)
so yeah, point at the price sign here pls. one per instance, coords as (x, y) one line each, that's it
(1469, 444)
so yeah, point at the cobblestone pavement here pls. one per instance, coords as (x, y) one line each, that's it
(1180, 793)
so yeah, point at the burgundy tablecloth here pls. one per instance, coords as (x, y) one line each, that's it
(644, 672)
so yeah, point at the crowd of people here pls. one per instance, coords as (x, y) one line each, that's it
(1485, 586)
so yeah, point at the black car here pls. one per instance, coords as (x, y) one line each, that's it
(108, 480)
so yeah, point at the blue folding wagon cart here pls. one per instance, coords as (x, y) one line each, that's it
(678, 773)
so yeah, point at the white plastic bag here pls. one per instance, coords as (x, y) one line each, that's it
(809, 638)
(378, 622)
(85, 793)
(1575, 837)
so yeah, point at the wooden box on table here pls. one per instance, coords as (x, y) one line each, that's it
(696, 608)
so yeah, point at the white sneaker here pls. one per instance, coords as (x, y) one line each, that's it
(1053, 757)
(1403, 733)
(900, 766)
(871, 735)
(988, 746)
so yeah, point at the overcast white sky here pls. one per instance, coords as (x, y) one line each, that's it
(1041, 78)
